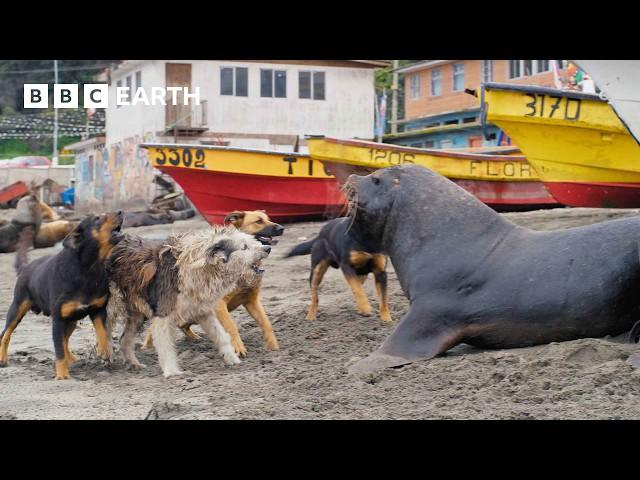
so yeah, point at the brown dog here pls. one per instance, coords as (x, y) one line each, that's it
(258, 224)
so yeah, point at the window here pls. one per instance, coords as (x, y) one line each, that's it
(318, 85)
(138, 79)
(525, 68)
(415, 86)
(487, 71)
(118, 85)
(468, 119)
(234, 81)
(304, 84)
(452, 122)
(542, 66)
(273, 83)
(458, 77)
(436, 85)
(309, 89)
(447, 143)
(428, 144)
(130, 87)
(514, 68)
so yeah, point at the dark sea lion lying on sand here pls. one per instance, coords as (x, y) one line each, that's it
(27, 214)
(474, 277)
(143, 219)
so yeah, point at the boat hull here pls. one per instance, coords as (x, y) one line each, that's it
(220, 180)
(215, 194)
(606, 195)
(504, 181)
(581, 150)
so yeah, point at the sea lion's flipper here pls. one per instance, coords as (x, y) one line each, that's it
(634, 333)
(420, 335)
(634, 360)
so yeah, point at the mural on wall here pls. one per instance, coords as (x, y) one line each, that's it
(114, 176)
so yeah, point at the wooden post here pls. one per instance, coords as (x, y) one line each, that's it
(394, 99)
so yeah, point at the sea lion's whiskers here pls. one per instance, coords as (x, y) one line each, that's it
(351, 192)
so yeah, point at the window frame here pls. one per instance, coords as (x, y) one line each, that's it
(272, 78)
(486, 66)
(453, 77)
(439, 79)
(234, 81)
(415, 86)
(312, 87)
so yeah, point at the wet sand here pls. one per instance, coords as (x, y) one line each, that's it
(307, 378)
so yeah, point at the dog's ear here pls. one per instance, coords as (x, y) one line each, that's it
(74, 239)
(234, 218)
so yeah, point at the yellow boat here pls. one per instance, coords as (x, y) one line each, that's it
(583, 153)
(499, 177)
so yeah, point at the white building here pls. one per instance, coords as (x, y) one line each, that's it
(249, 103)
(269, 104)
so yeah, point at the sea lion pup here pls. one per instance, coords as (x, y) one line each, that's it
(473, 276)
(27, 214)
(53, 232)
(176, 283)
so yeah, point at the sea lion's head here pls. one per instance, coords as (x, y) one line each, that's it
(371, 199)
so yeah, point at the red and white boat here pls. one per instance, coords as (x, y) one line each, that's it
(218, 180)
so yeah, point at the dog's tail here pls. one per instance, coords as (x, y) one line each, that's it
(302, 249)
(25, 242)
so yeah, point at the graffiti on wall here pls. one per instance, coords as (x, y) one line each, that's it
(114, 176)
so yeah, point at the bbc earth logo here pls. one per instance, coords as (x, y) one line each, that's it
(96, 95)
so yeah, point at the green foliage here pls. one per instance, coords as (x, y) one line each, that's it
(11, 148)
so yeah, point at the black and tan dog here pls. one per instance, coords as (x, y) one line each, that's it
(258, 224)
(68, 286)
(337, 246)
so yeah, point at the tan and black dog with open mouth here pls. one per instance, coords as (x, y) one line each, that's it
(247, 294)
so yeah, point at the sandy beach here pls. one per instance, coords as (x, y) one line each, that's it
(307, 378)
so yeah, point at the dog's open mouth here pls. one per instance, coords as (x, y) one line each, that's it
(257, 269)
(266, 239)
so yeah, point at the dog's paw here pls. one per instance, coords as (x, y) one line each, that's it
(104, 353)
(272, 343)
(63, 377)
(136, 365)
(173, 373)
(385, 317)
(365, 312)
(230, 358)
(238, 347)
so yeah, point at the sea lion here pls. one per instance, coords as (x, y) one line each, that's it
(472, 276)
(143, 219)
(27, 214)
(53, 232)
